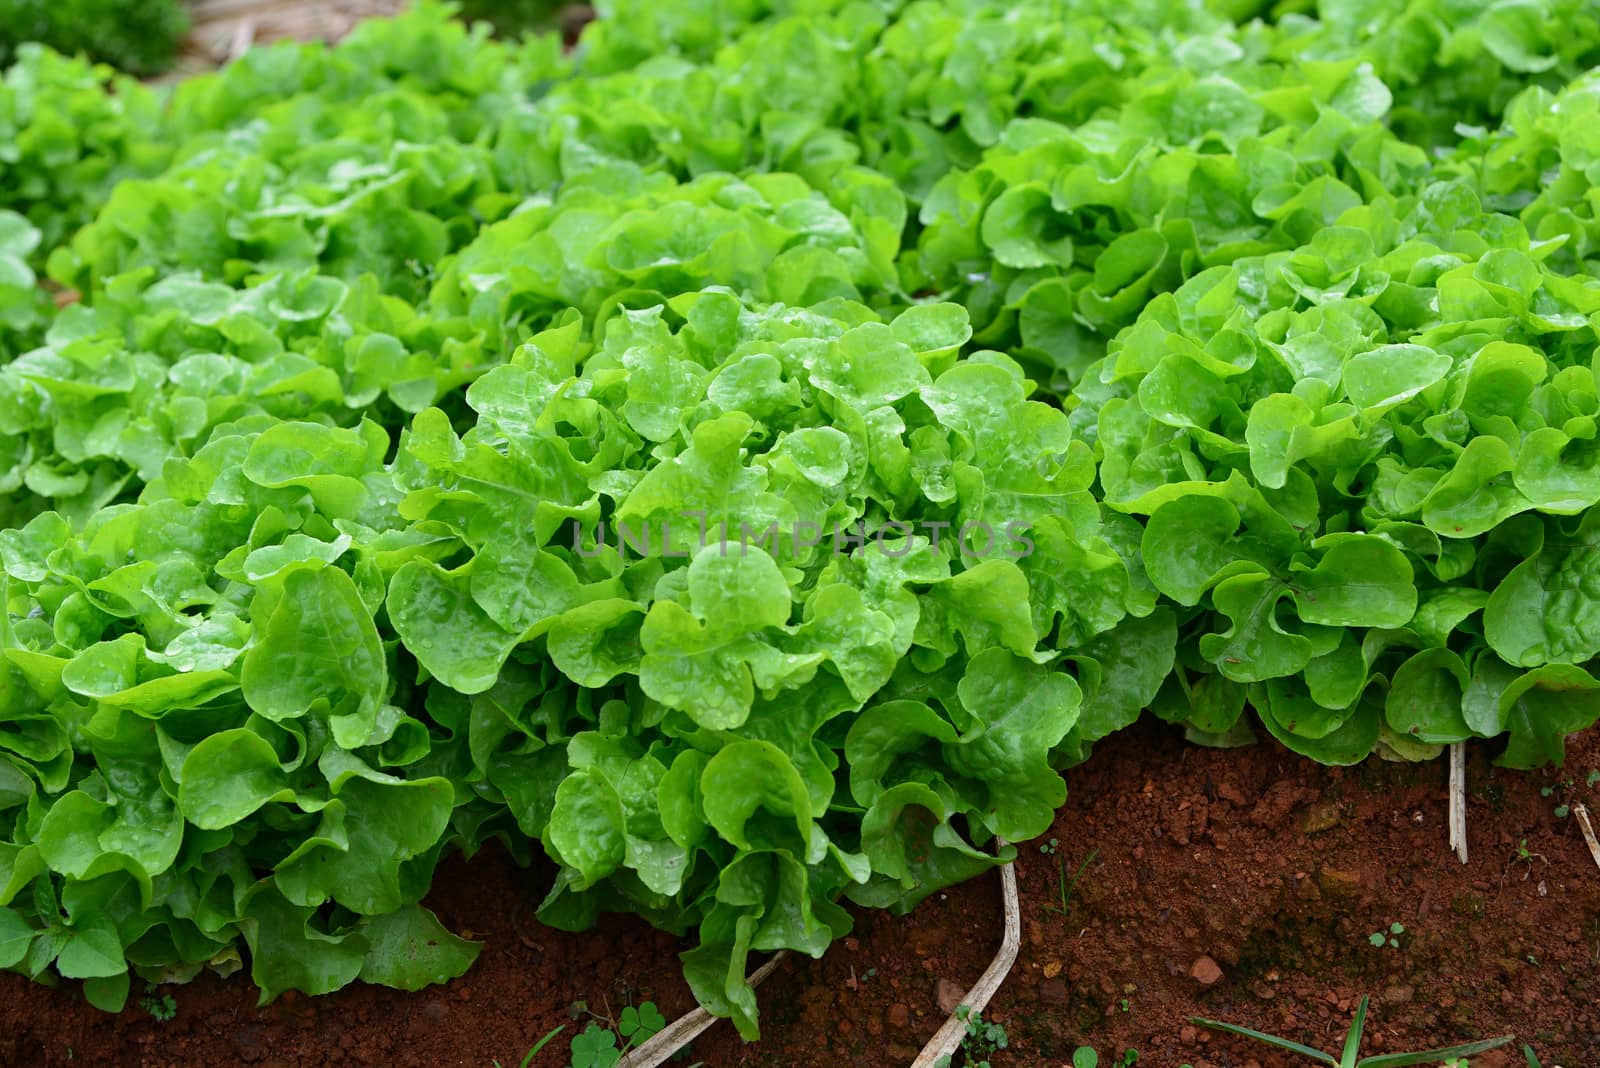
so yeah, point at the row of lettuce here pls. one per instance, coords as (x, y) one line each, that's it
(751, 455)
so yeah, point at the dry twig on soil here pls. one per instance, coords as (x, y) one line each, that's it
(1588, 832)
(949, 1038)
(685, 1029)
(1458, 799)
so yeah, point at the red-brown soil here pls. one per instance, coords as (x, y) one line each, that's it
(1275, 869)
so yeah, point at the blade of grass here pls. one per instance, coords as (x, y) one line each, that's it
(1352, 1041)
(1067, 888)
(1436, 1056)
(541, 1044)
(1272, 1040)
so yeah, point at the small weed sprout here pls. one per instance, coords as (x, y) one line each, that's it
(1380, 938)
(1560, 791)
(1068, 886)
(162, 1007)
(602, 1043)
(983, 1039)
(1528, 856)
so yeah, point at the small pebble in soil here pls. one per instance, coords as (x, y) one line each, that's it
(949, 995)
(1321, 817)
(1205, 971)
(1339, 883)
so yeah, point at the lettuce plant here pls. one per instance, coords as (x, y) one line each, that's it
(1453, 63)
(69, 132)
(294, 673)
(1350, 460)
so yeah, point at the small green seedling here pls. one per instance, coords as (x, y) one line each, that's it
(603, 1046)
(1562, 810)
(1528, 856)
(595, 1047)
(637, 1025)
(1351, 1057)
(1378, 938)
(1051, 846)
(1084, 1057)
(1067, 886)
(162, 1007)
(982, 1039)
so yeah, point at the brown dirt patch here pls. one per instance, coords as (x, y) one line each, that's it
(1274, 868)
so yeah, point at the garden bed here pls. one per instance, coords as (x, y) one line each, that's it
(1273, 867)
(326, 542)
